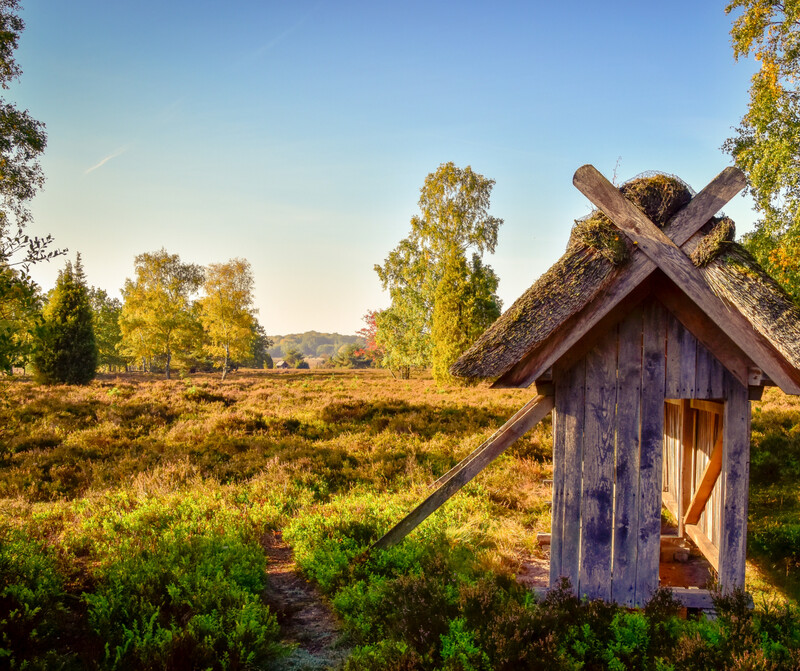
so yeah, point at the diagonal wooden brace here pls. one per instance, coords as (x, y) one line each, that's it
(681, 229)
(706, 486)
(524, 420)
(678, 267)
(487, 444)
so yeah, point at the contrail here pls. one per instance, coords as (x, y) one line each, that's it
(106, 160)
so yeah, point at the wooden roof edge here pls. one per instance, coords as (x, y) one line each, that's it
(672, 260)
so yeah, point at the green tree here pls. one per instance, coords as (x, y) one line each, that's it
(767, 141)
(65, 348)
(157, 318)
(351, 355)
(20, 307)
(22, 141)
(295, 358)
(107, 333)
(259, 349)
(226, 312)
(465, 304)
(454, 222)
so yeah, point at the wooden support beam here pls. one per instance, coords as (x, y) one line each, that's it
(706, 485)
(489, 441)
(531, 414)
(679, 268)
(709, 550)
(708, 406)
(681, 228)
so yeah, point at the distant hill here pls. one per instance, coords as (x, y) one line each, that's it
(311, 343)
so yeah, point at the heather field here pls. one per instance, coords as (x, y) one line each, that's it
(152, 524)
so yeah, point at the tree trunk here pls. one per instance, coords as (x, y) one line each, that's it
(169, 358)
(225, 362)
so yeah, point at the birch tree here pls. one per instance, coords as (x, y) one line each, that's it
(157, 315)
(453, 222)
(226, 311)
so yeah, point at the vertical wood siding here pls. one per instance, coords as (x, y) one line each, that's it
(618, 447)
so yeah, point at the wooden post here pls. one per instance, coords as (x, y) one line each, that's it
(570, 389)
(736, 474)
(684, 494)
(537, 410)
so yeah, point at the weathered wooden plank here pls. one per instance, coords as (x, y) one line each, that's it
(677, 266)
(702, 381)
(672, 436)
(626, 491)
(688, 363)
(598, 469)
(672, 379)
(736, 470)
(705, 204)
(687, 461)
(691, 597)
(682, 227)
(559, 472)
(706, 331)
(652, 440)
(705, 485)
(537, 410)
(571, 412)
(716, 377)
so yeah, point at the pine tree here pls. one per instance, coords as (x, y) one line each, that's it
(66, 351)
(465, 304)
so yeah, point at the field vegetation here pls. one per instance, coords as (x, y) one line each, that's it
(136, 513)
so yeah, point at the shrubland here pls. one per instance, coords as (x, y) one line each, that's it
(134, 512)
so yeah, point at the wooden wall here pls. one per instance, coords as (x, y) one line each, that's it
(609, 447)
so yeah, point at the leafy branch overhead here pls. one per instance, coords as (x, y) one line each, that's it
(767, 141)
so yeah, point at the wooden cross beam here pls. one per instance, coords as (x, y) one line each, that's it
(666, 255)
(683, 229)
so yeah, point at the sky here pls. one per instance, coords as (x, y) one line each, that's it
(298, 134)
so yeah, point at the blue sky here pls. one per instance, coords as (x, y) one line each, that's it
(298, 134)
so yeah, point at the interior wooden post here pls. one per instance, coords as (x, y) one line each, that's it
(684, 495)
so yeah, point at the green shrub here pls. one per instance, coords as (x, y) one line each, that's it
(32, 611)
(179, 591)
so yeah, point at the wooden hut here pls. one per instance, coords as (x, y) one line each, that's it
(648, 338)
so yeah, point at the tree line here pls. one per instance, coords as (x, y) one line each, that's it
(171, 313)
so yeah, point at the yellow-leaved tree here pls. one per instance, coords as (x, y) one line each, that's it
(157, 320)
(227, 312)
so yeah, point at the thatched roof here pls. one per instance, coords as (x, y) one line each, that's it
(597, 252)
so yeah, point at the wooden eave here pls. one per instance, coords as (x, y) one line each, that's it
(718, 324)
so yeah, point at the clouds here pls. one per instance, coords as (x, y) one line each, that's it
(105, 160)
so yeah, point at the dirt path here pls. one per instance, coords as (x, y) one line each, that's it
(305, 619)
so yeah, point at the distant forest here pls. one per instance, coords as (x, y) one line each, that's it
(312, 343)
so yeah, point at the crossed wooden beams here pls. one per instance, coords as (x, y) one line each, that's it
(657, 251)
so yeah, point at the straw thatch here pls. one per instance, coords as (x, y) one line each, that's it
(597, 252)
(736, 277)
